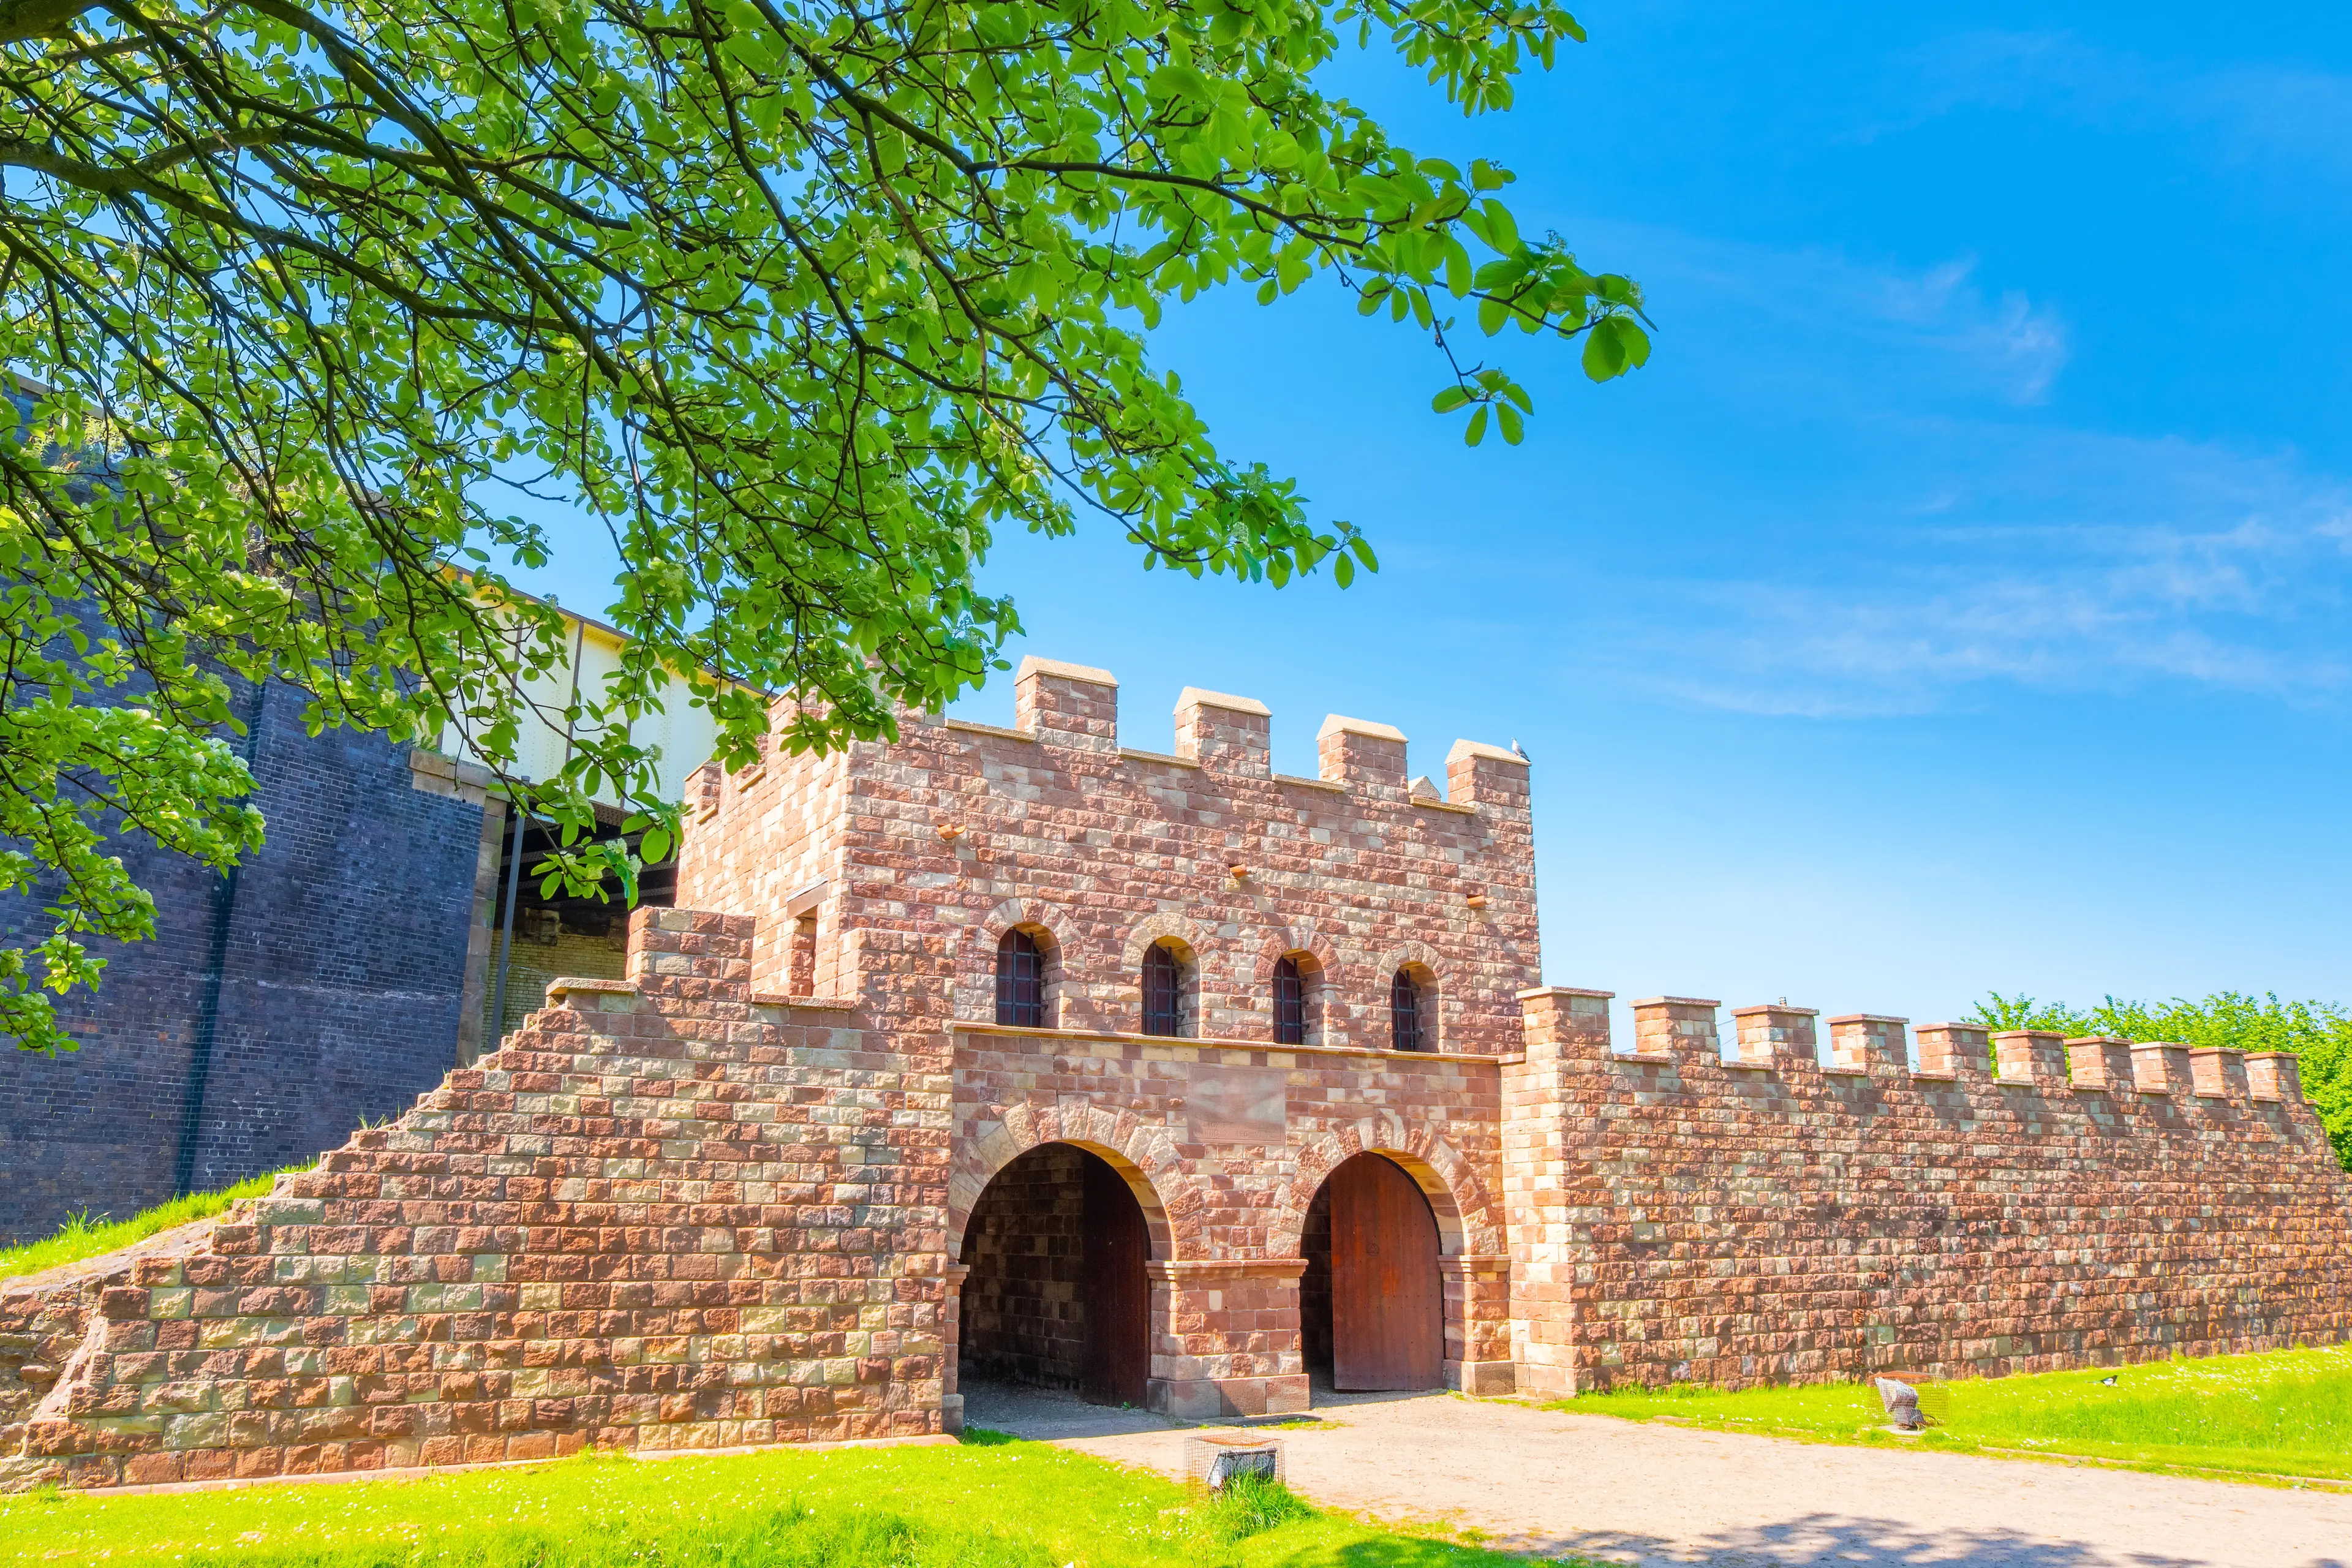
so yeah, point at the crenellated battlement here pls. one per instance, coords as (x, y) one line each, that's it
(901, 868)
(1829, 1197)
(1777, 1038)
(1077, 706)
(1959, 1051)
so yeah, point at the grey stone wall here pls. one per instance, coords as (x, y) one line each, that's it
(334, 964)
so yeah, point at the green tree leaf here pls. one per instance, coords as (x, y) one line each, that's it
(806, 306)
(1604, 352)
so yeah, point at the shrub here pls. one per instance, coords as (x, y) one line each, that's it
(1249, 1505)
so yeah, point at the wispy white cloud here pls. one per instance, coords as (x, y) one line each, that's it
(2206, 568)
(1954, 534)
(1842, 328)
(2012, 341)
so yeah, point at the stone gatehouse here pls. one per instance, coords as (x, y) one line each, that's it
(1161, 1075)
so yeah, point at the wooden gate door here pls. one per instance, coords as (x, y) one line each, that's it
(1388, 1327)
(1119, 1295)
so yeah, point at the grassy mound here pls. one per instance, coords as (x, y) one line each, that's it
(84, 1237)
(995, 1504)
(2282, 1413)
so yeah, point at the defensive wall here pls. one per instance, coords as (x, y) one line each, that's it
(634, 1225)
(2017, 1201)
(731, 1200)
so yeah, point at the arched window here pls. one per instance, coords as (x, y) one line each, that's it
(1404, 1012)
(1020, 980)
(1163, 991)
(1289, 1003)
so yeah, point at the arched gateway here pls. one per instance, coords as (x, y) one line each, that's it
(1094, 1252)
(1053, 1292)
(1371, 1301)
(750, 1192)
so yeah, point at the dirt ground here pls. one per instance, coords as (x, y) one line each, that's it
(1554, 1484)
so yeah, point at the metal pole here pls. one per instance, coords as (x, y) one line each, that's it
(506, 935)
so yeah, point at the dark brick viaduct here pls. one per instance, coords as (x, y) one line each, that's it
(324, 984)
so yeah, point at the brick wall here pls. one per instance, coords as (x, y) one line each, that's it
(631, 1227)
(102, 1127)
(1677, 1216)
(342, 950)
(534, 960)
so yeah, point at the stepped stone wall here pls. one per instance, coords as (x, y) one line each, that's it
(635, 1225)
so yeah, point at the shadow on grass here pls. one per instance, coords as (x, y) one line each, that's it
(986, 1438)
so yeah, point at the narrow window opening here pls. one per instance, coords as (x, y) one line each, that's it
(803, 979)
(1404, 1012)
(1020, 980)
(1163, 998)
(1289, 1003)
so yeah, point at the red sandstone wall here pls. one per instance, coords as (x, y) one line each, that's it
(1226, 1198)
(1776, 1220)
(671, 1215)
(959, 832)
(635, 1226)
(758, 836)
(1105, 848)
(687, 1213)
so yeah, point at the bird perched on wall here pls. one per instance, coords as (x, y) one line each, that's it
(1521, 752)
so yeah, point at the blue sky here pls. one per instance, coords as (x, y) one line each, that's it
(1957, 601)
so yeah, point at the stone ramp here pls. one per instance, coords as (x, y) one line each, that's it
(622, 1228)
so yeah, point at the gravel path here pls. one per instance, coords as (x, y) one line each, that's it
(1555, 1484)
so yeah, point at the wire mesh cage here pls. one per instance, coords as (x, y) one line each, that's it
(1212, 1459)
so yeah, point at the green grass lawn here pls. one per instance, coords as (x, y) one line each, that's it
(82, 1236)
(2282, 1413)
(992, 1503)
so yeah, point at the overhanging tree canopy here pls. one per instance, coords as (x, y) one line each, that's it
(806, 301)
